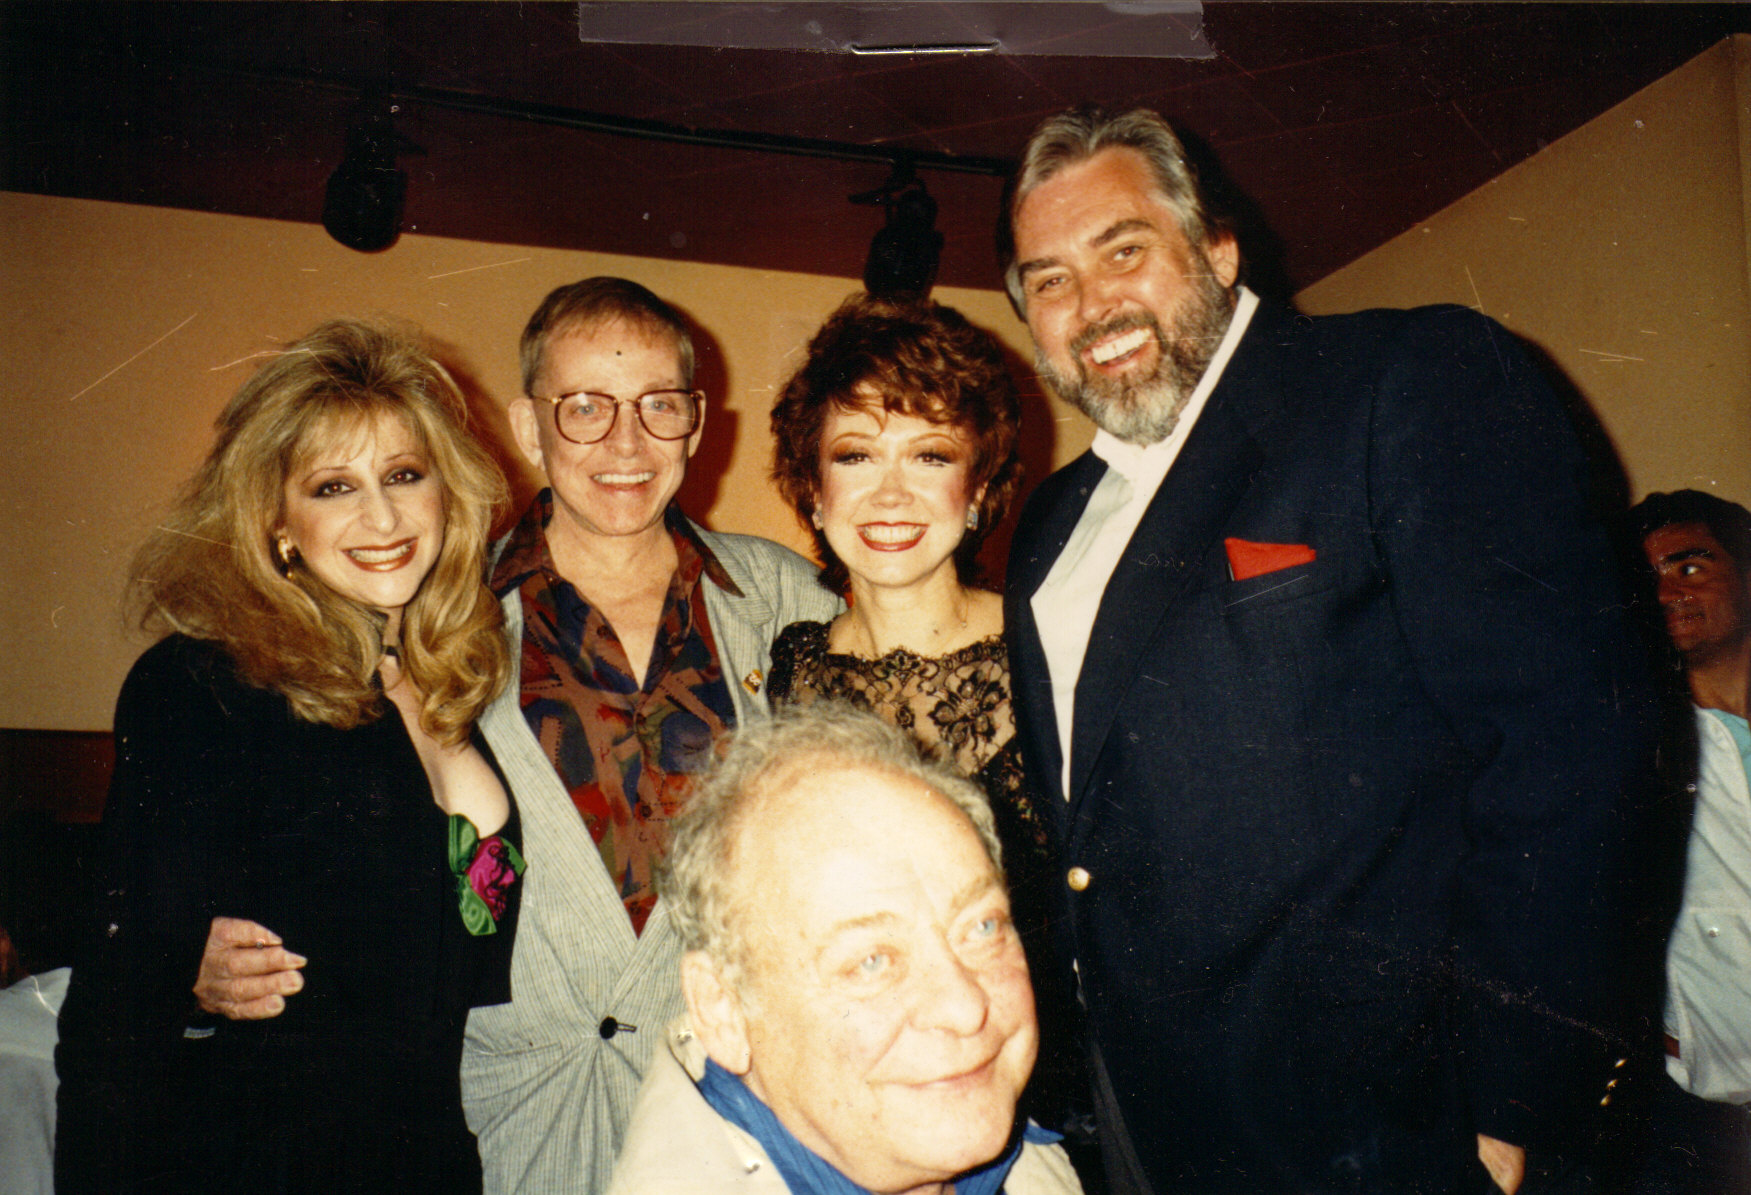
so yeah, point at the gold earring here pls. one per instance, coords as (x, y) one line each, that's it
(287, 553)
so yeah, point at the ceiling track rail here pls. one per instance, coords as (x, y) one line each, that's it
(620, 126)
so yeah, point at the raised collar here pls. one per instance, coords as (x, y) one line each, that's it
(526, 553)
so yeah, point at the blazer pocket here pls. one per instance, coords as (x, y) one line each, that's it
(1275, 588)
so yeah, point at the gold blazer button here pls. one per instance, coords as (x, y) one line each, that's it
(1078, 879)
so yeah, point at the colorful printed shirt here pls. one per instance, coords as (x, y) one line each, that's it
(625, 746)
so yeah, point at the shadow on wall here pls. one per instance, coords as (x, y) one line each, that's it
(1607, 482)
(1261, 249)
(1037, 441)
(488, 423)
(700, 492)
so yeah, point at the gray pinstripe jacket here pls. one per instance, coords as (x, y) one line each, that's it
(547, 1088)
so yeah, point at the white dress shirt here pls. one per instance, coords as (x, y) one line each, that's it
(1067, 601)
(1708, 959)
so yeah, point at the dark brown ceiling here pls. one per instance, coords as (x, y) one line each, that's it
(1340, 125)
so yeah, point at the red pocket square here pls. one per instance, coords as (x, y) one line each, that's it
(1247, 559)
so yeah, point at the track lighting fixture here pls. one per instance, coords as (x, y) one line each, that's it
(904, 254)
(362, 208)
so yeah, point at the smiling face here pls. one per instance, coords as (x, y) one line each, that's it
(365, 511)
(885, 1015)
(1125, 314)
(894, 494)
(1704, 593)
(621, 485)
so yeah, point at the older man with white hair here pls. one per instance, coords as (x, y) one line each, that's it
(859, 1017)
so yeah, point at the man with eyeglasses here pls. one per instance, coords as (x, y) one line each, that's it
(644, 636)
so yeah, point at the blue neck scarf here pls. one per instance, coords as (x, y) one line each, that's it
(807, 1173)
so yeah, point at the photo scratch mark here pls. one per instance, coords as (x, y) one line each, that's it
(1603, 356)
(246, 357)
(1524, 573)
(1477, 304)
(37, 991)
(112, 373)
(470, 269)
(1261, 593)
(218, 543)
(55, 618)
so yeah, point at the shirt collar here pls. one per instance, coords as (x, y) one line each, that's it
(526, 552)
(688, 542)
(805, 1170)
(1139, 463)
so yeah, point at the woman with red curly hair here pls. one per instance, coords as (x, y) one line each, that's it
(896, 444)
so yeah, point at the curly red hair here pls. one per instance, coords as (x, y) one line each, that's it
(926, 361)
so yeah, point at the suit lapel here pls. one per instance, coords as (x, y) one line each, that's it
(742, 625)
(1047, 528)
(1182, 524)
(1052, 526)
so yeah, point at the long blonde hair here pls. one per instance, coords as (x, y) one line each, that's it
(211, 572)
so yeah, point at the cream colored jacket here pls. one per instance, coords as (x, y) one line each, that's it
(678, 1145)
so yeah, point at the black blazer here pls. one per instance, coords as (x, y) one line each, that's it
(224, 803)
(1351, 826)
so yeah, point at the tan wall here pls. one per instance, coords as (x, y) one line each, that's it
(1621, 250)
(128, 327)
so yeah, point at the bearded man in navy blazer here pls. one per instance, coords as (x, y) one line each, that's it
(1320, 653)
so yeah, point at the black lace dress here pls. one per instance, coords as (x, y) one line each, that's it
(958, 707)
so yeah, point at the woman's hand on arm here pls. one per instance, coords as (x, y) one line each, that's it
(246, 973)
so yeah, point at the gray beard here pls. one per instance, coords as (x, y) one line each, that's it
(1145, 410)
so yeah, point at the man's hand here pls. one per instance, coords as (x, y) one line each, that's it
(1506, 1163)
(246, 974)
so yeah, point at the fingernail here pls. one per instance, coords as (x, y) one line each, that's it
(297, 960)
(297, 982)
(276, 1004)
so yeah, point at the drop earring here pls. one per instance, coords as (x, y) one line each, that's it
(972, 518)
(815, 518)
(286, 552)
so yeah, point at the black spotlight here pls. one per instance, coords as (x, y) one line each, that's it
(903, 256)
(362, 209)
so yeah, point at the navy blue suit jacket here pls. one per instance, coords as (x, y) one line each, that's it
(1351, 825)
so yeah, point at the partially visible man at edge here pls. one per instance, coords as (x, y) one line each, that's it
(602, 570)
(1322, 653)
(1699, 547)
